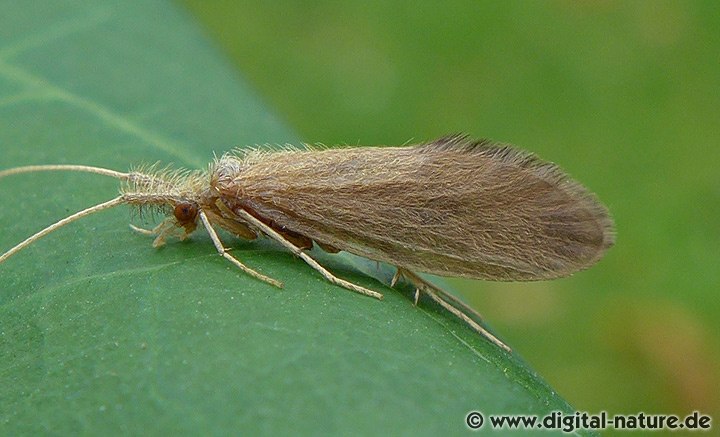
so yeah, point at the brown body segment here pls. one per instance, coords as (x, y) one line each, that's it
(228, 209)
(300, 241)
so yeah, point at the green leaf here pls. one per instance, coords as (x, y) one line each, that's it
(99, 332)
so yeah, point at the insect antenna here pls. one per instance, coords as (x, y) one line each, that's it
(64, 167)
(78, 215)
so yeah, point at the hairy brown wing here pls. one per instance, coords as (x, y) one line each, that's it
(452, 207)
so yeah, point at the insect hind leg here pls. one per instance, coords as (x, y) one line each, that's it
(446, 300)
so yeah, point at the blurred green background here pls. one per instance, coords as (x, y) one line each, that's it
(623, 95)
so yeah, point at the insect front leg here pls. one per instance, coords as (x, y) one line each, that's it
(270, 232)
(223, 251)
(446, 300)
(166, 228)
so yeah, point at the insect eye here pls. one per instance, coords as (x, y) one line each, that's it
(185, 212)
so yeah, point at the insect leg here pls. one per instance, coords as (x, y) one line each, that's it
(143, 231)
(305, 257)
(451, 303)
(166, 228)
(224, 253)
(420, 283)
